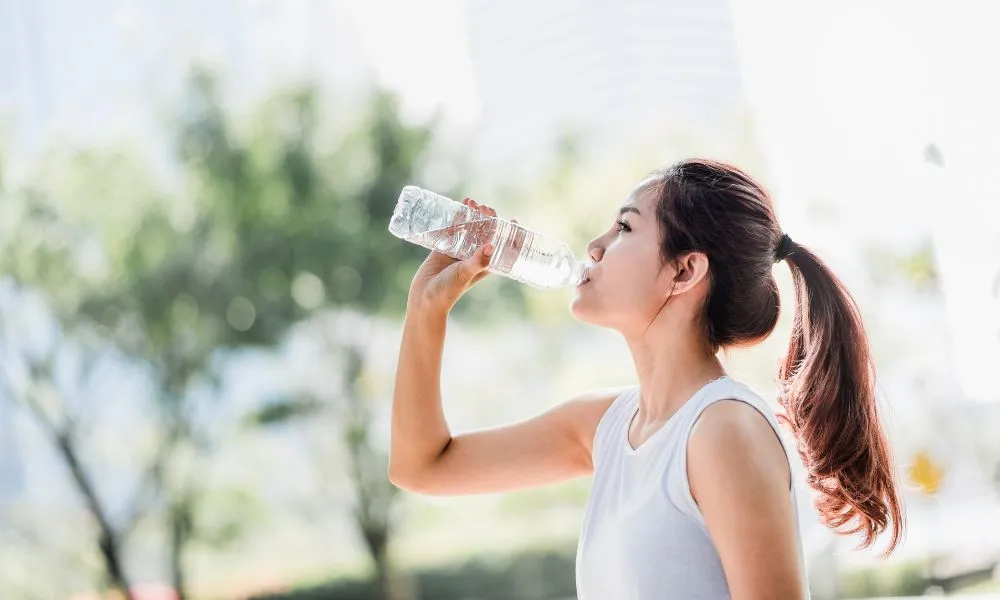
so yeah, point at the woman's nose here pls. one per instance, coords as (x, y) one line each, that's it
(595, 251)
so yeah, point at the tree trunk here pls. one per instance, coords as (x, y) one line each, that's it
(390, 584)
(112, 563)
(390, 587)
(180, 529)
(382, 574)
(108, 542)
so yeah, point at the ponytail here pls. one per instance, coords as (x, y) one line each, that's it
(828, 392)
(827, 379)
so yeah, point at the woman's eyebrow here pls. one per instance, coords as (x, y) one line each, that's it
(626, 209)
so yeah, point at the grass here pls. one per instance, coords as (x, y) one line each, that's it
(986, 587)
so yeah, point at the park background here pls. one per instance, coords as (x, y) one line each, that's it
(200, 303)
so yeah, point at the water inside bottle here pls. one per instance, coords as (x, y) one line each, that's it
(462, 239)
(519, 253)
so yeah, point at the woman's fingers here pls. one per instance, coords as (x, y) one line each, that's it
(483, 230)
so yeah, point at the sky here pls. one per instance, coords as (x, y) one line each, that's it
(422, 52)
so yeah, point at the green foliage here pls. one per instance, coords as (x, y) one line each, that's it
(905, 579)
(985, 587)
(225, 516)
(529, 576)
(273, 219)
(915, 268)
(281, 411)
(273, 236)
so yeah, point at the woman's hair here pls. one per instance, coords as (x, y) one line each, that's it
(827, 378)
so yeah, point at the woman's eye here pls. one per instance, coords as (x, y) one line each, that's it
(623, 226)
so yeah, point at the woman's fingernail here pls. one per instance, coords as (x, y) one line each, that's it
(488, 251)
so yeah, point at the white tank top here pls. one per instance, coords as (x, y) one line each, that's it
(643, 536)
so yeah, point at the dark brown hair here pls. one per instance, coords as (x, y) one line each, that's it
(827, 378)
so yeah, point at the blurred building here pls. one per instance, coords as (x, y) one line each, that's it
(608, 69)
(960, 49)
(967, 253)
(880, 124)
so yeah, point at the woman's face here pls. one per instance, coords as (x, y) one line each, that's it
(627, 286)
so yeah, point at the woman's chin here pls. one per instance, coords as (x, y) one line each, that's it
(579, 310)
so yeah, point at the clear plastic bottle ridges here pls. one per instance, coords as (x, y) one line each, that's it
(440, 223)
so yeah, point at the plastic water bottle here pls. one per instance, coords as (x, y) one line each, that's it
(439, 223)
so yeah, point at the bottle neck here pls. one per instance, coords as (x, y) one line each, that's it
(580, 269)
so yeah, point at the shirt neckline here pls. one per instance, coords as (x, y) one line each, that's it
(635, 411)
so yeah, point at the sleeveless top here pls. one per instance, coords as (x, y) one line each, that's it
(643, 536)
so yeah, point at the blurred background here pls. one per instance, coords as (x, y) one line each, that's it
(200, 303)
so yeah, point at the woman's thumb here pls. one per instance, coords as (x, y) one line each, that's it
(476, 264)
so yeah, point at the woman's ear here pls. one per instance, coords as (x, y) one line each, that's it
(691, 269)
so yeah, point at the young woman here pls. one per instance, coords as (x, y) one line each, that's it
(692, 495)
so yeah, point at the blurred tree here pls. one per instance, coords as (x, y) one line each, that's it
(293, 240)
(43, 254)
(271, 228)
(344, 341)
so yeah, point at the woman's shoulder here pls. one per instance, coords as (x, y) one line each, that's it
(734, 404)
(727, 395)
(736, 421)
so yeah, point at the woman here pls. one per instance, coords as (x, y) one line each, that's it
(692, 494)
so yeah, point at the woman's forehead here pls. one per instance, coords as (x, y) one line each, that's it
(643, 195)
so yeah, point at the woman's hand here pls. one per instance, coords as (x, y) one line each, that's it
(441, 280)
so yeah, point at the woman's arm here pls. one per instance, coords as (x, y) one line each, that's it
(739, 476)
(425, 458)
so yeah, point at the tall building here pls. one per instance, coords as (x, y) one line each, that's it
(607, 68)
(967, 252)
(964, 197)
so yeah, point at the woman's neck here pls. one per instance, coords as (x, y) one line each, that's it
(672, 363)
